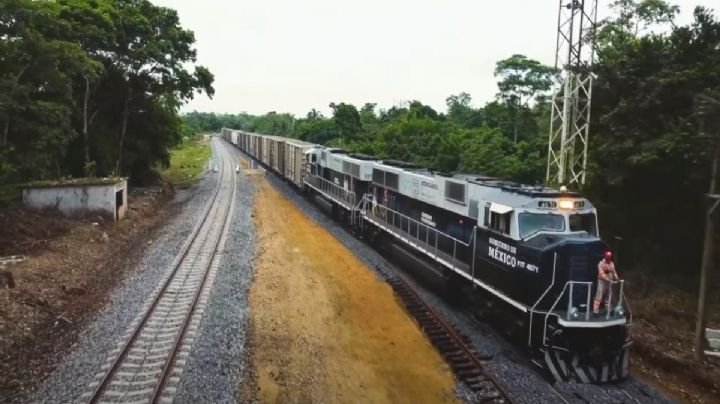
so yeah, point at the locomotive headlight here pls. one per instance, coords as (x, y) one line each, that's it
(574, 313)
(566, 204)
(619, 311)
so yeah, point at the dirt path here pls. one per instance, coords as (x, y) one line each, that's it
(324, 328)
(73, 267)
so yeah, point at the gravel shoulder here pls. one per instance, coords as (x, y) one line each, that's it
(324, 328)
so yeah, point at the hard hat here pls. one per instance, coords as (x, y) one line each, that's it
(608, 255)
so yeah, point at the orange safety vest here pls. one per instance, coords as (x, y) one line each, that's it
(606, 271)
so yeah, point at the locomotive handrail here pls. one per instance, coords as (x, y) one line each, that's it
(419, 222)
(532, 309)
(358, 208)
(380, 212)
(557, 300)
(568, 313)
(621, 299)
(628, 313)
(331, 189)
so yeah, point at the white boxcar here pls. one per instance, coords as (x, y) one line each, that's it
(295, 160)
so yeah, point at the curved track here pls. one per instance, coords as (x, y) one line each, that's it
(147, 365)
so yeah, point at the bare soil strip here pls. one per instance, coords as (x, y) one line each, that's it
(73, 266)
(324, 327)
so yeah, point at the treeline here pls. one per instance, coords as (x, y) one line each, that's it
(271, 123)
(506, 137)
(91, 87)
(649, 163)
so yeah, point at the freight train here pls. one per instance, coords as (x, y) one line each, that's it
(528, 251)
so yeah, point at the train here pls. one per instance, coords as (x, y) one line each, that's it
(528, 252)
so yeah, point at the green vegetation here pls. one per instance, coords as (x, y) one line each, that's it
(91, 87)
(79, 182)
(187, 162)
(649, 166)
(9, 192)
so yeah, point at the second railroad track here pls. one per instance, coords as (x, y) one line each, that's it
(147, 364)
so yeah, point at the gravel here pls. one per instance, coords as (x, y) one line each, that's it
(75, 372)
(511, 368)
(216, 364)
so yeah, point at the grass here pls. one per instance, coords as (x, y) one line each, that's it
(10, 192)
(71, 182)
(187, 162)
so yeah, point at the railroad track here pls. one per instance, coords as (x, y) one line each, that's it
(455, 347)
(148, 362)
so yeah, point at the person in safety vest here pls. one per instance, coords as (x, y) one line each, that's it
(606, 276)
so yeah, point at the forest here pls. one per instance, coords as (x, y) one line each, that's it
(92, 87)
(650, 148)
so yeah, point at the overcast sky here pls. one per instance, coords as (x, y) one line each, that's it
(291, 56)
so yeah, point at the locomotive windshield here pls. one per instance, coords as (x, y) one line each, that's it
(583, 222)
(531, 223)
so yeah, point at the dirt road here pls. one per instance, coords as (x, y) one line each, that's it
(324, 327)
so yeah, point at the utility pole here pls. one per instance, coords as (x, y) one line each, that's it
(570, 114)
(706, 102)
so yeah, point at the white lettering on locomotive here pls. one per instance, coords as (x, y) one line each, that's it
(505, 253)
(501, 256)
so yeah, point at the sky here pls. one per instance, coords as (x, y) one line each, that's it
(292, 56)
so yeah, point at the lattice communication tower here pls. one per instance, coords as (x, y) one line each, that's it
(570, 116)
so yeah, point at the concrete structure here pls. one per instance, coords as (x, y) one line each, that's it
(713, 342)
(107, 196)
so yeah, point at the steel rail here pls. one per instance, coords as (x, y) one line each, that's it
(155, 398)
(411, 298)
(107, 377)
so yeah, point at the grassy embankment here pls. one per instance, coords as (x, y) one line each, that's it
(187, 162)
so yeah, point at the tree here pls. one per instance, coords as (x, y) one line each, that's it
(91, 25)
(319, 131)
(347, 120)
(273, 123)
(147, 54)
(460, 111)
(487, 151)
(368, 119)
(76, 75)
(314, 114)
(419, 138)
(522, 81)
(646, 156)
(36, 80)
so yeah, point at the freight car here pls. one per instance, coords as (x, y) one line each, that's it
(529, 251)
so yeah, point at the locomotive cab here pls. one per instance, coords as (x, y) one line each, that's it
(541, 248)
(576, 343)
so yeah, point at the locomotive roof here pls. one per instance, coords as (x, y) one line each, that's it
(361, 156)
(335, 150)
(524, 190)
(403, 164)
